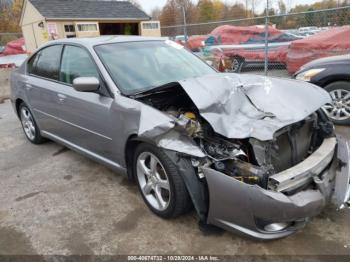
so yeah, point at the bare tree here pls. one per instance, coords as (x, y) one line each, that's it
(155, 13)
(136, 3)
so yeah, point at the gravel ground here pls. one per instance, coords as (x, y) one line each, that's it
(56, 202)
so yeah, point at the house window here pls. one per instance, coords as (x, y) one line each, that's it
(150, 25)
(87, 27)
(69, 28)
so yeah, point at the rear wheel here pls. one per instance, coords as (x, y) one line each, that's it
(339, 110)
(160, 183)
(29, 125)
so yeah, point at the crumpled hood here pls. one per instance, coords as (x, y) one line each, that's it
(243, 106)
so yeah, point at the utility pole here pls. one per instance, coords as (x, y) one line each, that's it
(246, 8)
(185, 25)
(253, 8)
(266, 64)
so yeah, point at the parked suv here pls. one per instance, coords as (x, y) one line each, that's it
(332, 74)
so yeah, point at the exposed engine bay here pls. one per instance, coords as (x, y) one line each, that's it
(249, 160)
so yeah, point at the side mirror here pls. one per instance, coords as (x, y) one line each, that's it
(86, 84)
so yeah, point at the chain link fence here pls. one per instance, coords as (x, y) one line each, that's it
(8, 37)
(275, 45)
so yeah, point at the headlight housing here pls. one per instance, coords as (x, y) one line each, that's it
(309, 74)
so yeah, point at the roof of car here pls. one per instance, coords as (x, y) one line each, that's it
(89, 9)
(93, 41)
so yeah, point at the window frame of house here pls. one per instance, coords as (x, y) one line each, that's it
(78, 28)
(149, 25)
(71, 26)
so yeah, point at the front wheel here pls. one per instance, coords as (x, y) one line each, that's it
(339, 110)
(160, 183)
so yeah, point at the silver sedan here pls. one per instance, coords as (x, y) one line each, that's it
(249, 153)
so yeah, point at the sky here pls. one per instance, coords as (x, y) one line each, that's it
(148, 5)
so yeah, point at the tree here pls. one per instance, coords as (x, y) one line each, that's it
(136, 3)
(155, 13)
(172, 14)
(10, 15)
(282, 8)
(206, 10)
(238, 11)
(218, 9)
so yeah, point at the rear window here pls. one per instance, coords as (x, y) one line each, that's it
(46, 62)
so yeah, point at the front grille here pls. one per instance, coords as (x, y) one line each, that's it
(292, 146)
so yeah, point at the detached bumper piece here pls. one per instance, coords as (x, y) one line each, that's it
(271, 214)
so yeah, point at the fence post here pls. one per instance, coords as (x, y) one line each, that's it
(266, 59)
(185, 25)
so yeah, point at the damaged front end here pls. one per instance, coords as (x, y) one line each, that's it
(283, 201)
(265, 156)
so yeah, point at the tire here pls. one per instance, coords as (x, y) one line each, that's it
(30, 128)
(237, 64)
(339, 110)
(173, 199)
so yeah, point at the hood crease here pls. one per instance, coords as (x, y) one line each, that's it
(244, 106)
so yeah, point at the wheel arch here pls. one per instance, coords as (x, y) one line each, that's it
(197, 190)
(237, 56)
(18, 102)
(334, 79)
(129, 151)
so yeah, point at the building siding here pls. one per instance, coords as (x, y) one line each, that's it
(36, 35)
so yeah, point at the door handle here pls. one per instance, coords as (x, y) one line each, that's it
(61, 97)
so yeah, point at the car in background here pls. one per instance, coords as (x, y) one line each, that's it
(180, 39)
(332, 42)
(333, 74)
(295, 33)
(309, 30)
(233, 48)
(13, 54)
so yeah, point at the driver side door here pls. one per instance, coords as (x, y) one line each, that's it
(85, 116)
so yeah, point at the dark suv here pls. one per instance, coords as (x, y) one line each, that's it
(333, 74)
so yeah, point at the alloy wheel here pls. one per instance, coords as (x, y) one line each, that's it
(28, 123)
(236, 63)
(339, 109)
(153, 181)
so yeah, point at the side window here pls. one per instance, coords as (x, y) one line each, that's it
(32, 63)
(76, 62)
(46, 62)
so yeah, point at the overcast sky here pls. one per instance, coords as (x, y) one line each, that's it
(148, 5)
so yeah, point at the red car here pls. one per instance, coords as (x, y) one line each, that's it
(13, 54)
(238, 46)
(335, 41)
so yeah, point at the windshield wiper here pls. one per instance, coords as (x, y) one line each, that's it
(153, 90)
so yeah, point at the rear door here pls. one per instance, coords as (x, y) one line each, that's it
(85, 115)
(41, 87)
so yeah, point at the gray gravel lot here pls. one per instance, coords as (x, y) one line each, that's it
(56, 202)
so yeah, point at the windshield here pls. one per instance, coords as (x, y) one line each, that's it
(140, 66)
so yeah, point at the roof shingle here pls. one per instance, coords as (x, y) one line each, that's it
(89, 9)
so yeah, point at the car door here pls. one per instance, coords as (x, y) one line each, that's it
(40, 87)
(84, 115)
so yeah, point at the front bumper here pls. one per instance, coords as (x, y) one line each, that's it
(236, 206)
